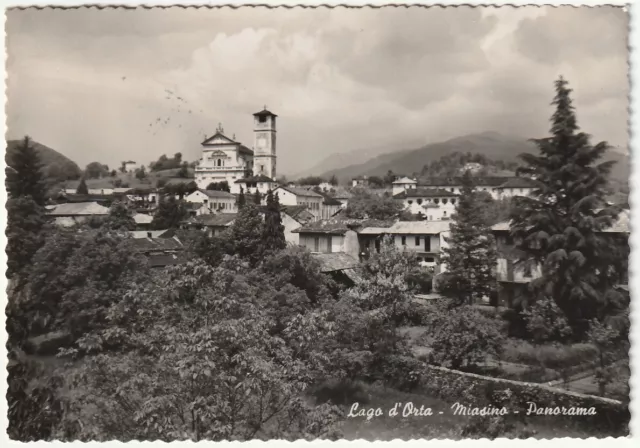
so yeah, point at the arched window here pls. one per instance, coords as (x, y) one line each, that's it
(445, 200)
(419, 201)
(444, 214)
(219, 162)
(409, 202)
(436, 200)
(453, 201)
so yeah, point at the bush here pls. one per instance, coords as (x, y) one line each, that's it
(398, 371)
(552, 356)
(340, 392)
(546, 322)
(464, 337)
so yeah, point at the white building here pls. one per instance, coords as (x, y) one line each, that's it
(213, 201)
(433, 203)
(497, 187)
(224, 159)
(260, 183)
(299, 196)
(130, 166)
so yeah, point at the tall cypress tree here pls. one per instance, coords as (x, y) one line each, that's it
(557, 227)
(82, 187)
(24, 173)
(471, 256)
(240, 199)
(273, 230)
(257, 197)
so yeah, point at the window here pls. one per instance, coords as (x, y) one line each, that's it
(444, 214)
(329, 244)
(409, 202)
(316, 244)
(419, 259)
(262, 118)
(417, 241)
(453, 201)
(427, 243)
(430, 260)
(452, 190)
(445, 200)
(404, 240)
(419, 201)
(436, 201)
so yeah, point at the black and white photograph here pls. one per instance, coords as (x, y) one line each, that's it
(331, 223)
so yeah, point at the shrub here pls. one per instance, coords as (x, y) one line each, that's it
(464, 337)
(398, 371)
(340, 392)
(546, 322)
(552, 356)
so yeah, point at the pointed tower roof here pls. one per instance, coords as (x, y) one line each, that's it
(264, 113)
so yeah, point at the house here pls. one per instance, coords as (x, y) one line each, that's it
(293, 217)
(330, 206)
(251, 184)
(69, 214)
(342, 195)
(212, 224)
(331, 236)
(402, 184)
(137, 234)
(423, 238)
(143, 197)
(492, 185)
(434, 203)
(513, 277)
(339, 266)
(300, 196)
(360, 181)
(213, 201)
(161, 252)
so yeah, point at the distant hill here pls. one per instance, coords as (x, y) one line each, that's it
(493, 145)
(56, 167)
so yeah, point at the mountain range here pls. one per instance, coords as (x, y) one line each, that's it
(493, 145)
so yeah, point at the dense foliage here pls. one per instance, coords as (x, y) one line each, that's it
(219, 186)
(96, 170)
(453, 164)
(24, 173)
(171, 212)
(166, 163)
(366, 204)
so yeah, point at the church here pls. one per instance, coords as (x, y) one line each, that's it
(224, 159)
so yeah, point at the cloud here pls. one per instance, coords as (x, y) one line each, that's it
(93, 84)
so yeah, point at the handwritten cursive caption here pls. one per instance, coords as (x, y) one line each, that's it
(411, 410)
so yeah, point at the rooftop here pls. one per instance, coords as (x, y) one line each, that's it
(335, 262)
(301, 191)
(218, 220)
(156, 244)
(145, 233)
(217, 194)
(264, 113)
(410, 228)
(78, 209)
(163, 260)
(405, 180)
(340, 225)
(490, 181)
(141, 218)
(621, 225)
(520, 182)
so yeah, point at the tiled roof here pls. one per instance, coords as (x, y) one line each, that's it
(328, 200)
(338, 261)
(156, 244)
(339, 226)
(218, 220)
(244, 150)
(457, 181)
(217, 194)
(298, 212)
(79, 209)
(412, 228)
(301, 192)
(72, 197)
(424, 193)
(255, 179)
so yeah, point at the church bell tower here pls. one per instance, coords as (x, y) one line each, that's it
(264, 148)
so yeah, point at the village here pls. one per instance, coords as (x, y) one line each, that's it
(313, 216)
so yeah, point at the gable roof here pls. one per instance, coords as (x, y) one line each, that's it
(78, 209)
(220, 135)
(520, 182)
(424, 193)
(340, 225)
(410, 228)
(298, 212)
(300, 191)
(328, 200)
(218, 220)
(337, 261)
(217, 194)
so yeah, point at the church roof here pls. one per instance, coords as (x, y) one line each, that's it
(264, 113)
(218, 134)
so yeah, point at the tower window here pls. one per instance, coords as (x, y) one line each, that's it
(262, 119)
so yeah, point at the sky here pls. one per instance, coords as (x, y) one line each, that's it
(114, 85)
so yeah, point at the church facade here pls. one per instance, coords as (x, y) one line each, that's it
(224, 159)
